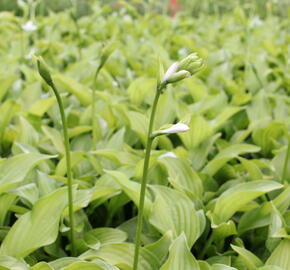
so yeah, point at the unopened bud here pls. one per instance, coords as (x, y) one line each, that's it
(107, 51)
(178, 76)
(191, 63)
(172, 129)
(43, 70)
(183, 69)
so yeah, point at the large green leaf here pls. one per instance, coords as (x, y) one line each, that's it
(121, 254)
(72, 86)
(6, 201)
(101, 236)
(260, 216)
(87, 266)
(41, 266)
(231, 152)
(281, 255)
(234, 198)
(14, 170)
(180, 256)
(132, 189)
(173, 210)
(11, 263)
(182, 176)
(36, 228)
(251, 260)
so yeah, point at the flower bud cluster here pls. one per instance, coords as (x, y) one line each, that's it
(183, 69)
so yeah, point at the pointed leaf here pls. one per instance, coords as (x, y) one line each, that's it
(180, 256)
(233, 199)
(14, 170)
(173, 210)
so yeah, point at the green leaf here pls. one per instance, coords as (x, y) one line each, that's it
(56, 138)
(200, 130)
(132, 189)
(270, 267)
(101, 236)
(82, 92)
(260, 216)
(36, 228)
(234, 198)
(41, 106)
(7, 111)
(139, 124)
(6, 83)
(225, 155)
(84, 266)
(180, 256)
(250, 260)
(160, 247)
(11, 263)
(265, 137)
(41, 266)
(62, 262)
(277, 228)
(140, 88)
(173, 210)
(222, 267)
(6, 201)
(14, 170)
(121, 254)
(281, 255)
(182, 176)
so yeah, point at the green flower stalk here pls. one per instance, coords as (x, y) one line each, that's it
(176, 72)
(45, 74)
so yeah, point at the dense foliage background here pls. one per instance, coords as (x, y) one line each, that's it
(218, 198)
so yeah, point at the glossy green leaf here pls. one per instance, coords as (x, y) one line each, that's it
(101, 236)
(14, 170)
(231, 152)
(281, 255)
(251, 260)
(231, 201)
(11, 263)
(72, 86)
(173, 210)
(182, 176)
(121, 254)
(41, 266)
(132, 189)
(36, 228)
(180, 256)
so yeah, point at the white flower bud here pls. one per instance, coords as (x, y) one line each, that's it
(29, 26)
(176, 128)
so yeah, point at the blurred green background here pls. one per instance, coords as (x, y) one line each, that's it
(195, 7)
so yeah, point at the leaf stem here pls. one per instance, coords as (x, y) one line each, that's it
(144, 178)
(285, 167)
(68, 167)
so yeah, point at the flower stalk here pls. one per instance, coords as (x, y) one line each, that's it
(144, 179)
(45, 74)
(176, 72)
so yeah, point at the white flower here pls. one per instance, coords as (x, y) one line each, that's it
(170, 71)
(177, 128)
(168, 154)
(29, 26)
